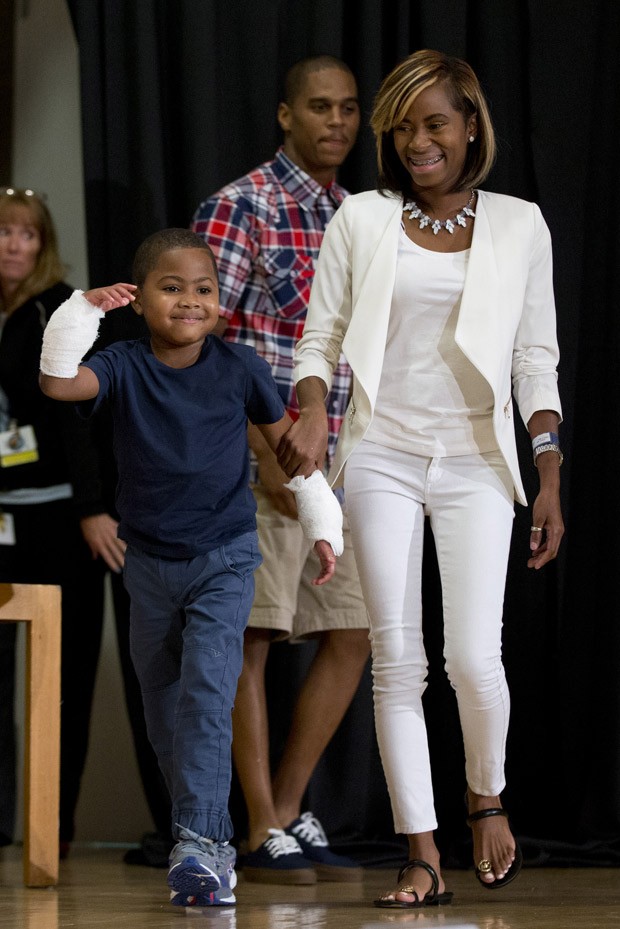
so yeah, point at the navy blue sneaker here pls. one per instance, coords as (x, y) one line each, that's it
(278, 861)
(312, 840)
(202, 872)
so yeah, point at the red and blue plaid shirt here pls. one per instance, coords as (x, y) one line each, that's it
(265, 230)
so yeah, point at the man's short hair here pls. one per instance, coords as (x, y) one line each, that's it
(149, 252)
(296, 75)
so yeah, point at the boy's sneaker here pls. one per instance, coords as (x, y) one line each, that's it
(312, 840)
(202, 872)
(278, 861)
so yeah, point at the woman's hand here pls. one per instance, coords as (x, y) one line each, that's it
(108, 298)
(547, 517)
(303, 448)
(547, 523)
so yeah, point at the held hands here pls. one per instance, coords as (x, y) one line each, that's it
(303, 448)
(108, 298)
(301, 452)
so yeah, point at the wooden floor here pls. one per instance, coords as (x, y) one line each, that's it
(98, 890)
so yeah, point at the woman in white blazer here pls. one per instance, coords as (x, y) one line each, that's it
(440, 296)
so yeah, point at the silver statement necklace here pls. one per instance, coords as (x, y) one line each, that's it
(416, 212)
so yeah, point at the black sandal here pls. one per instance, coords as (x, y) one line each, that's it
(432, 898)
(516, 865)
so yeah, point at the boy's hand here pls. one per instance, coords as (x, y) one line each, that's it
(100, 534)
(328, 562)
(108, 298)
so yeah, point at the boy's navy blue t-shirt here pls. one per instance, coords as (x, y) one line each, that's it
(180, 441)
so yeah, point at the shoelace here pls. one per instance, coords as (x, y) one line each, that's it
(205, 847)
(201, 844)
(311, 831)
(281, 844)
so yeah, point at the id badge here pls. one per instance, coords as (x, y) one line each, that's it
(7, 529)
(18, 446)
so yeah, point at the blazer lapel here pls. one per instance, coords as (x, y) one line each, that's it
(375, 259)
(477, 331)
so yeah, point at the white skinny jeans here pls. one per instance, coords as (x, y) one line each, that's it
(469, 501)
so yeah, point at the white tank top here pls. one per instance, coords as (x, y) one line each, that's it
(431, 401)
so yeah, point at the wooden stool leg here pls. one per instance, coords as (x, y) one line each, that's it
(42, 739)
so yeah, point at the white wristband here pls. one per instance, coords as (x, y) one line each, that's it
(319, 512)
(69, 334)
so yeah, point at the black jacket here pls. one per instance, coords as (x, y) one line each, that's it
(66, 450)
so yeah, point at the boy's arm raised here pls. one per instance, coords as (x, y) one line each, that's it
(84, 386)
(69, 334)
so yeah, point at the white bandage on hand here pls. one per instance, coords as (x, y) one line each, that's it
(69, 334)
(320, 515)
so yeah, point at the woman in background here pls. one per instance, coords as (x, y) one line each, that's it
(440, 295)
(41, 443)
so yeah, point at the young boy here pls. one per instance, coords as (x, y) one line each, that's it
(181, 400)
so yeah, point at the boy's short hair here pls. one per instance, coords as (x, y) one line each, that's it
(165, 240)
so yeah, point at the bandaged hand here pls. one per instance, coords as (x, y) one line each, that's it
(69, 334)
(318, 509)
(73, 328)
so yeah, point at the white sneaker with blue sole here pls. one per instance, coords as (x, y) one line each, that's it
(202, 872)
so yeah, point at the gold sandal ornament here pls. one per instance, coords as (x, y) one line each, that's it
(485, 866)
(432, 898)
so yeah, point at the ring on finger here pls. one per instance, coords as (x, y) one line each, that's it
(536, 528)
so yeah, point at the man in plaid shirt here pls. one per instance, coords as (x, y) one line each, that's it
(266, 230)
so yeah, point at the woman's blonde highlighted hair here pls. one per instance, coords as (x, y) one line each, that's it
(398, 91)
(49, 269)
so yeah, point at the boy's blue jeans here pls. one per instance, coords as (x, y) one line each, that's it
(186, 632)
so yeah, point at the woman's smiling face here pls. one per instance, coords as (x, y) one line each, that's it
(431, 141)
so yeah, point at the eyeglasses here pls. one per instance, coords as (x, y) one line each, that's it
(23, 191)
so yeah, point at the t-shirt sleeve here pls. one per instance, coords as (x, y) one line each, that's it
(102, 363)
(263, 402)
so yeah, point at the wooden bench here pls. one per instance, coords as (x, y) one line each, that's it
(38, 607)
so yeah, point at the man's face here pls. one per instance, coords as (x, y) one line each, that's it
(320, 125)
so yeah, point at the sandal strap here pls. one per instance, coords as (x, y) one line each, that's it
(418, 863)
(482, 814)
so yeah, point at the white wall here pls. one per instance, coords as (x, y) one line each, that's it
(47, 148)
(47, 157)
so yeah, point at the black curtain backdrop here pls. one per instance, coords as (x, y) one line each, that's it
(179, 97)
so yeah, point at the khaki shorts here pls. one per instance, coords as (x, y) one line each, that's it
(285, 601)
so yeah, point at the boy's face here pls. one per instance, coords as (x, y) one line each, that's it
(179, 299)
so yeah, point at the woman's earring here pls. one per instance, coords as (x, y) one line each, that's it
(472, 138)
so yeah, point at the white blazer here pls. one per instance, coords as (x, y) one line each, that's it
(506, 325)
